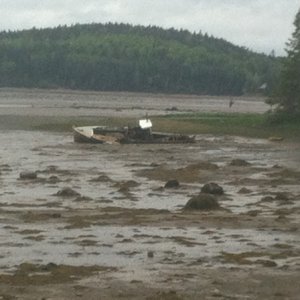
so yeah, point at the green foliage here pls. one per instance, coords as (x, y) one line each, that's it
(283, 119)
(241, 124)
(288, 94)
(120, 57)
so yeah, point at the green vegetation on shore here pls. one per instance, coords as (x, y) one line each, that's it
(122, 57)
(239, 124)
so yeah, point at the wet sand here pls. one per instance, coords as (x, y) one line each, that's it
(75, 103)
(123, 235)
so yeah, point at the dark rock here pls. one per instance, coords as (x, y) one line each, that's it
(173, 108)
(253, 213)
(150, 254)
(126, 185)
(49, 267)
(28, 175)
(101, 178)
(56, 215)
(67, 192)
(53, 179)
(239, 163)
(267, 199)
(203, 202)
(212, 188)
(154, 165)
(285, 202)
(282, 196)
(267, 263)
(244, 191)
(277, 167)
(173, 183)
(130, 184)
(5, 168)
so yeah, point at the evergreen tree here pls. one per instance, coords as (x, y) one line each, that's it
(122, 57)
(288, 96)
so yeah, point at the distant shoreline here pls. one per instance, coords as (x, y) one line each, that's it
(258, 98)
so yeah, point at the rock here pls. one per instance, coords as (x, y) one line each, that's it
(276, 166)
(173, 108)
(101, 178)
(126, 185)
(49, 267)
(5, 168)
(244, 191)
(267, 263)
(253, 213)
(282, 196)
(53, 179)
(267, 199)
(239, 163)
(150, 254)
(202, 202)
(212, 188)
(173, 183)
(28, 175)
(130, 184)
(56, 215)
(67, 192)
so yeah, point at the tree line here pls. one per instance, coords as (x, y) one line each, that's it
(287, 94)
(122, 57)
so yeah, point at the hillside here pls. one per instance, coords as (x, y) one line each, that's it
(121, 57)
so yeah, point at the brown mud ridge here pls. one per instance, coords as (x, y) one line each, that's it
(111, 222)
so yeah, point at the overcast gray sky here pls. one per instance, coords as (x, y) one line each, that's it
(260, 25)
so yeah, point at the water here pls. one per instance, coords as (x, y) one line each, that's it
(38, 227)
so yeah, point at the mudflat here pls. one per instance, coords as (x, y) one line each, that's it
(99, 221)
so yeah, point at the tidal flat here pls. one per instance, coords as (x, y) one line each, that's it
(97, 221)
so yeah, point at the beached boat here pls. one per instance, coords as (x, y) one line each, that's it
(141, 134)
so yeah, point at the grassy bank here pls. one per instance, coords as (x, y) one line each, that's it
(241, 124)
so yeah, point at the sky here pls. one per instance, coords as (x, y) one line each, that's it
(258, 25)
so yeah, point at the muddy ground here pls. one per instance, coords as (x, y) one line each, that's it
(118, 233)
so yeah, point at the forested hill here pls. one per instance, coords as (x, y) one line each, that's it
(121, 57)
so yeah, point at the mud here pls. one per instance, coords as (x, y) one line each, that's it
(126, 236)
(65, 103)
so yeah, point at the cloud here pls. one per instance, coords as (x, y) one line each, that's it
(261, 25)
